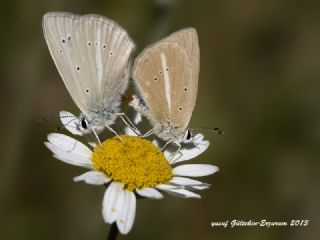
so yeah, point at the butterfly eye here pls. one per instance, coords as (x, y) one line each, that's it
(189, 135)
(84, 124)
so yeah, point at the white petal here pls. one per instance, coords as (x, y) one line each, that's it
(197, 138)
(112, 202)
(168, 155)
(70, 122)
(127, 212)
(128, 131)
(69, 150)
(92, 144)
(69, 157)
(183, 193)
(155, 142)
(166, 187)
(188, 153)
(69, 144)
(149, 193)
(185, 181)
(200, 187)
(92, 177)
(194, 170)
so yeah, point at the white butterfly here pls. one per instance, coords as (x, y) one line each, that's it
(92, 54)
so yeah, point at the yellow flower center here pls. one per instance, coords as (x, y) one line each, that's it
(135, 162)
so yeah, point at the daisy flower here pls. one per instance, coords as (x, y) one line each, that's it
(131, 168)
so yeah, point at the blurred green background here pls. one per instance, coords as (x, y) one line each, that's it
(259, 82)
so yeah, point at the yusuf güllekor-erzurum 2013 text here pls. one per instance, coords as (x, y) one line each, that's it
(261, 223)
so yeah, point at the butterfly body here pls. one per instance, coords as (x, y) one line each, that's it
(167, 132)
(99, 116)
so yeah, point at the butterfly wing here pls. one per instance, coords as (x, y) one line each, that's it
(91, 54)
(188, 39)
(167, 77)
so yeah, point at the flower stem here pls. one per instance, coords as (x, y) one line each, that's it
(113, 232)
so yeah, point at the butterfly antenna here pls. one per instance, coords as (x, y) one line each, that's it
(215, 130)
(42, 119)
(58, 128)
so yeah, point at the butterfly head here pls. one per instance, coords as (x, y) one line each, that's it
(84, 124)
(188, 135)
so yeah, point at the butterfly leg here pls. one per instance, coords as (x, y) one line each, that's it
(166, 144)
(96, 135)
(129, 123)
(171, 157)
(114, 132)
(147, 134)
(74, 146)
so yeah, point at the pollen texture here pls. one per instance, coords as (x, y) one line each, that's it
(135, 162)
